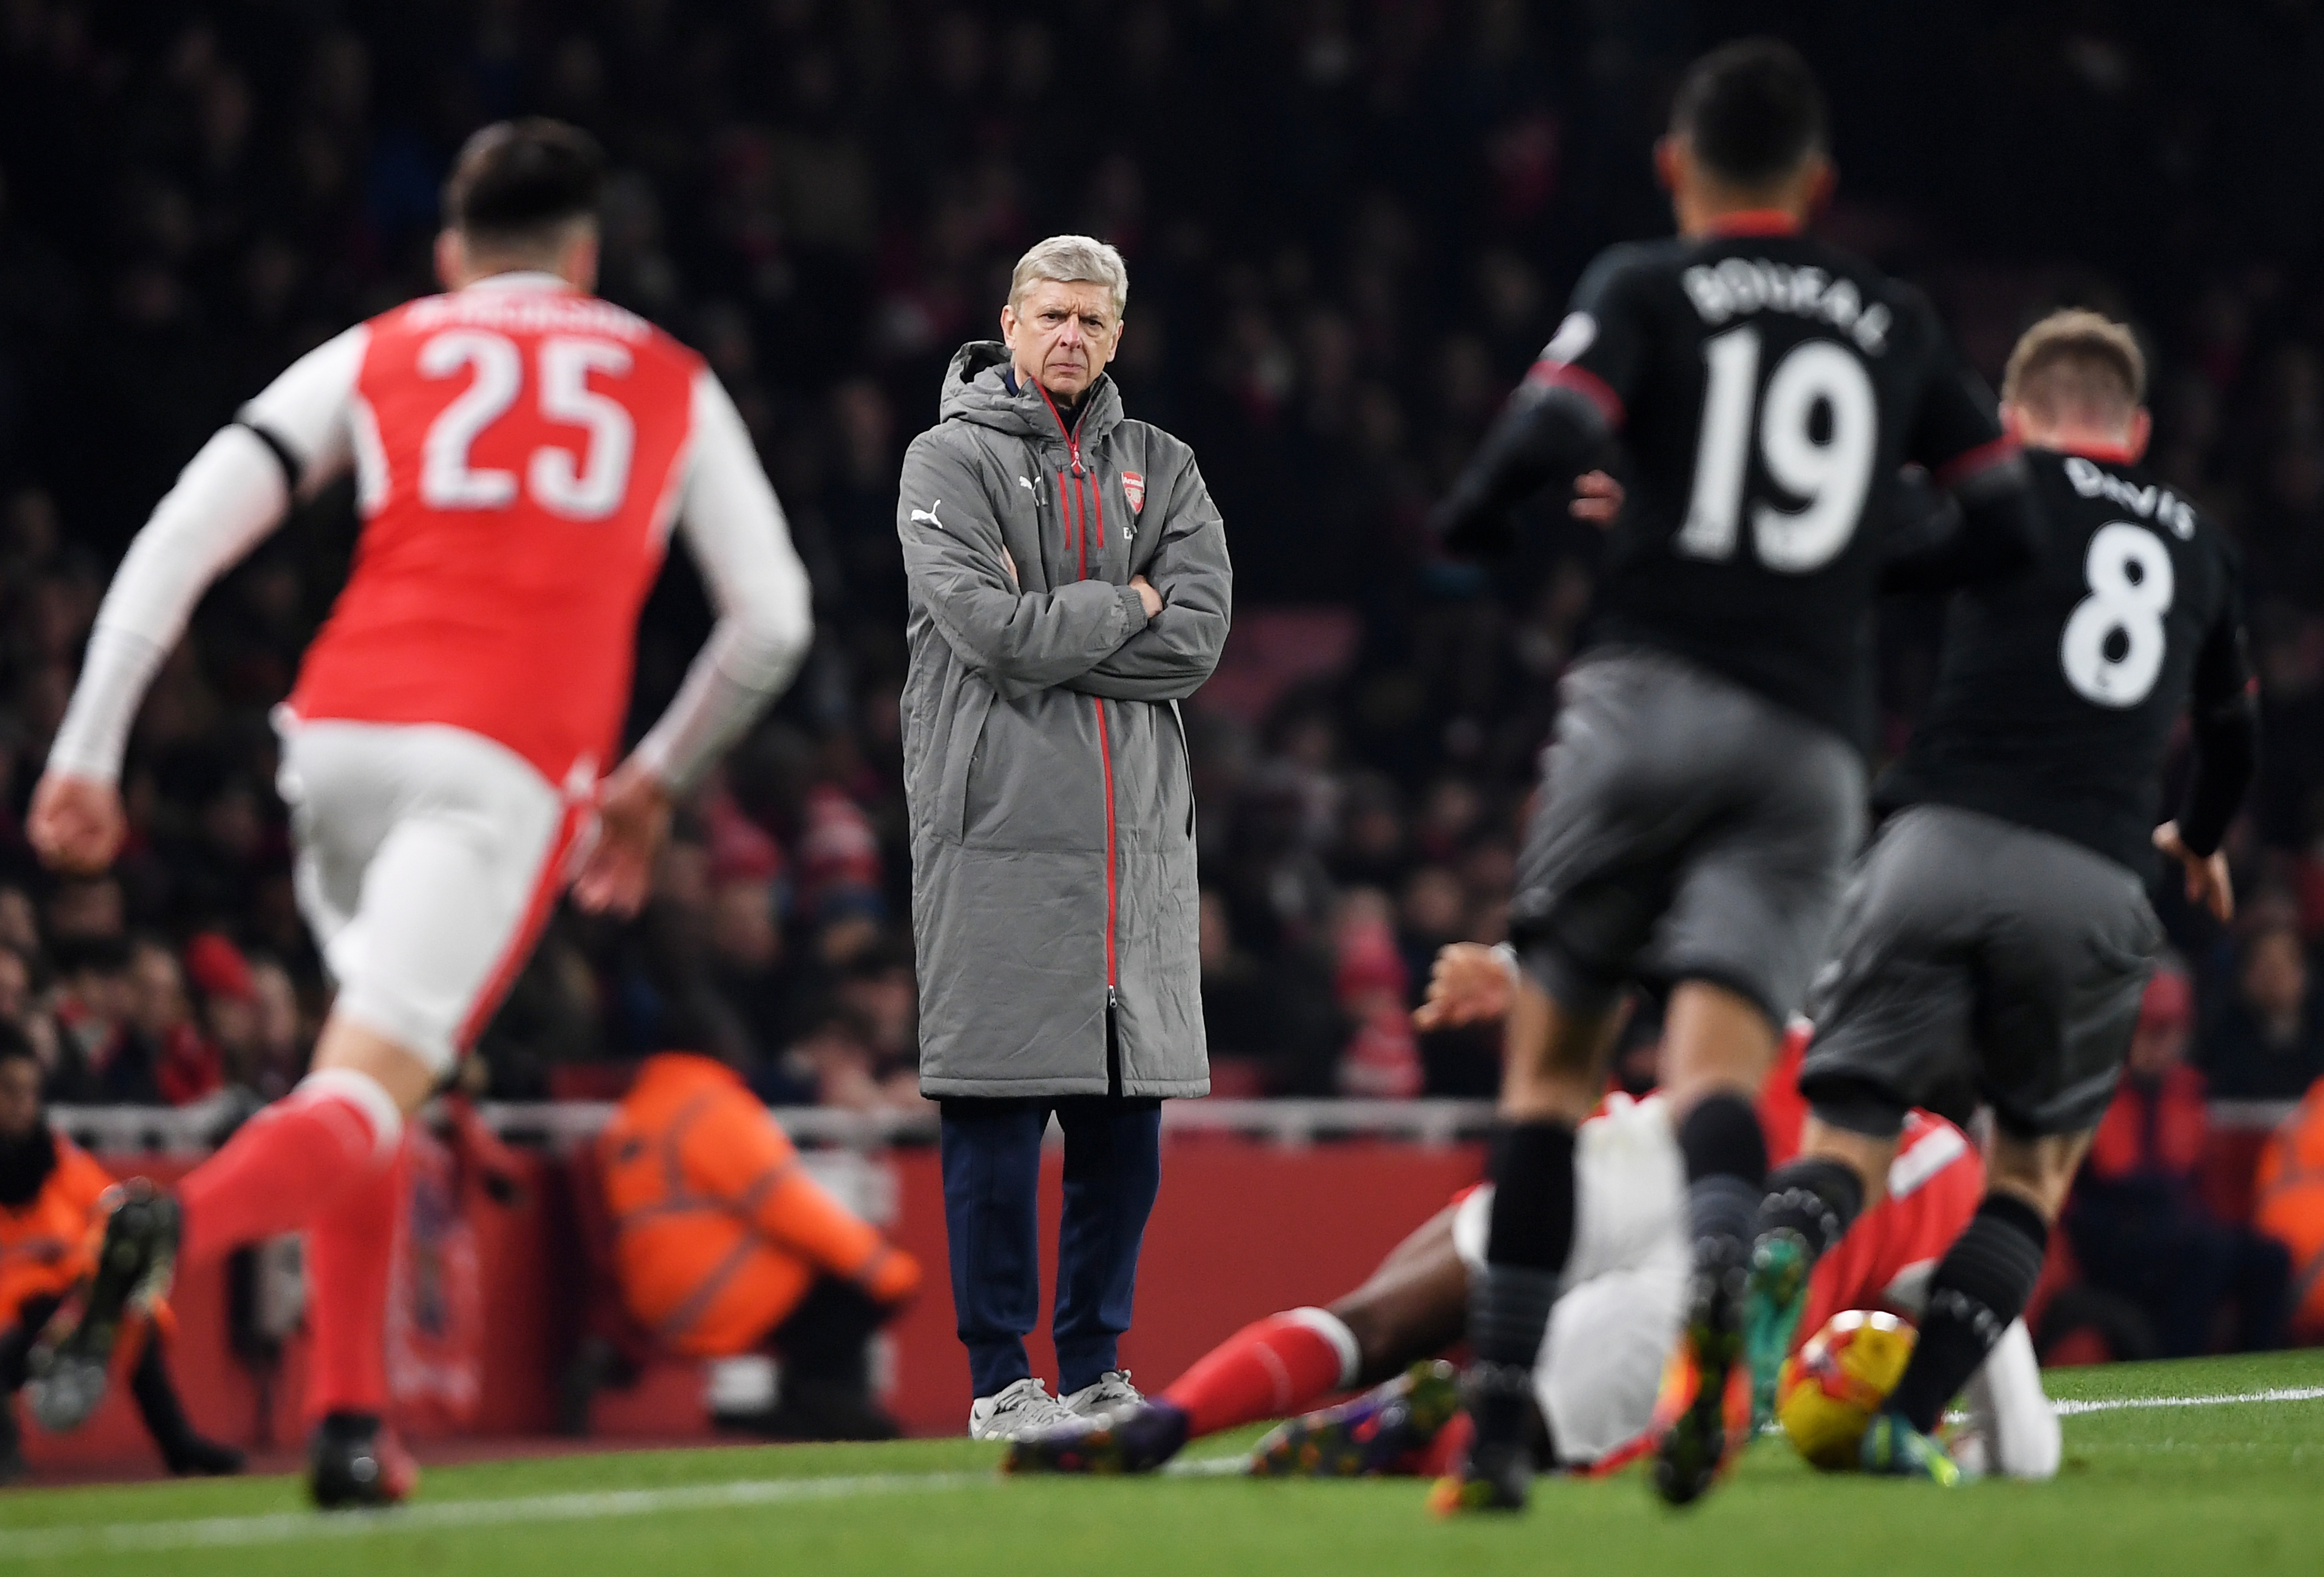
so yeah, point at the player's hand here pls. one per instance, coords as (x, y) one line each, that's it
(2208, 880)
(77, 824)
(1597, 498)
(1010, 564)
(1471, 984)
(1147, 595)
(633, 819)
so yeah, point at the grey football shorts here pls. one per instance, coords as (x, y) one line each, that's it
(1688, 828)
(1969, 942)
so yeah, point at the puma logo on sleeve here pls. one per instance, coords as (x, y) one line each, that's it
(929, 516)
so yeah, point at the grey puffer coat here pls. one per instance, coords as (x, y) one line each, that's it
(1045, 762)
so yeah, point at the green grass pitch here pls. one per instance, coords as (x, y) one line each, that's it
(2172, 1489)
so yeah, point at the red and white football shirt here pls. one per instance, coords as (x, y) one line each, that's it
(523, 451)
(1934, 1185)
(517, 453)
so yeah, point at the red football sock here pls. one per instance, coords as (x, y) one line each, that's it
(1271, 1368)
(350, 1256)
(288, 1164)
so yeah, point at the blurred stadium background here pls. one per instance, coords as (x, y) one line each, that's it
(1349, 227)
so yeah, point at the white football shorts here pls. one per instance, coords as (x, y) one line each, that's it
(429, 860)
(1626, 1282)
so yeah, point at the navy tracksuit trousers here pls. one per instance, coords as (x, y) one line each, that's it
(991, 1179)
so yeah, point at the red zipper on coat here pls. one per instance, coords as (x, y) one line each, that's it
(1073, 435)
(1077, 542)
(1105, 760)
(1105, 756)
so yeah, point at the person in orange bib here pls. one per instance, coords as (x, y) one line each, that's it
(48, 1192)
(2289, 1189)
(723, 1244)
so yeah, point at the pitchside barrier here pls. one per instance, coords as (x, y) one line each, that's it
(1265, 1205)
(188, 1131)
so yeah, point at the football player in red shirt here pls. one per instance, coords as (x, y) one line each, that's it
(522, 450)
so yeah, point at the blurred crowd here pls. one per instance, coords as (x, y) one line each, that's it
(1348, 229)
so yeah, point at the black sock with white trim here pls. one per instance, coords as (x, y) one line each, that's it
(1980, 1288)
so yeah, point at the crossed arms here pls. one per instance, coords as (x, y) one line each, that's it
(1092, 636)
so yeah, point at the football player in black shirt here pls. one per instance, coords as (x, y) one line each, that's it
(1705, 790)
(2001, 918)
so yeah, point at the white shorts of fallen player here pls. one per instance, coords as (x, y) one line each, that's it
(428, 859)
(1625, 1280)
(1625, 1286)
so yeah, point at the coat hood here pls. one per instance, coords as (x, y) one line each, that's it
(976, 389)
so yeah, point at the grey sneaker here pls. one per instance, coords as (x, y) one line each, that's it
(1016, 1411)
(1108, 1394)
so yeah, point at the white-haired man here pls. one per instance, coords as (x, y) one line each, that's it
(1069, 585)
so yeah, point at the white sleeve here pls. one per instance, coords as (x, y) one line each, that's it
(734, 528)
(226, 501)
(310, 409)
(2009, 1413)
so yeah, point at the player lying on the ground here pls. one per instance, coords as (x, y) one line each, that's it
(521, 452)
(1595, 1380)
(49, 1191)
(2000, 919)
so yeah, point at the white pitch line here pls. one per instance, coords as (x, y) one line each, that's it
(429, 1516)
(298, 1526)
(2124, 1404)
